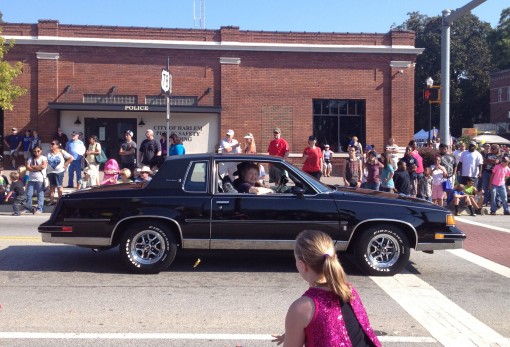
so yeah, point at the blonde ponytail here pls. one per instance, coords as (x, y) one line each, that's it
(316, 249)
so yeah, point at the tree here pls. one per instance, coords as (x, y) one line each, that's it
(500, 42)
(470, 65)
(8, 90)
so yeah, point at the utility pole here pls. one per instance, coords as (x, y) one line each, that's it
(166, 88)
(448, 18)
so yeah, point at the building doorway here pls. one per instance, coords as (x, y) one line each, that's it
(110, 132)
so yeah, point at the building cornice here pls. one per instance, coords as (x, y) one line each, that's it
(210, 45)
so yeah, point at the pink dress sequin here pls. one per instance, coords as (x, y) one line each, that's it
(327, 327)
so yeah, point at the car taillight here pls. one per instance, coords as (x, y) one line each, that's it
(450, 220)
(66, 229)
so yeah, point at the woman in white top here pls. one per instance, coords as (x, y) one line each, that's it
(438, 176)
(58, 161)
(94, 149)
(36, 167)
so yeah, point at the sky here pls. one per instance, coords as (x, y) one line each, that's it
(368, 16)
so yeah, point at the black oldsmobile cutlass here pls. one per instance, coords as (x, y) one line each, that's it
(189, 205)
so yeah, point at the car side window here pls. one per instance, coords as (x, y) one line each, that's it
(196, 180)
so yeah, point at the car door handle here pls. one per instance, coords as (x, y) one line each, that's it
(222, 202)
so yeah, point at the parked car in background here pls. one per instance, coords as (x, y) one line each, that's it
(188, 205)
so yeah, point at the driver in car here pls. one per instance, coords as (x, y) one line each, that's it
(248, 180)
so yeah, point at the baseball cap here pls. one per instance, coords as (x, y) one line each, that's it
(74, 133)
(351, 143)
(368, 148)
(277, 130)
(128, 132)
(312, 138)
(374, 153)
(326, 146)
(230, 132)
(248, 136)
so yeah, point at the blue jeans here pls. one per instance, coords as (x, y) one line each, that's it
(498, 191)
(373, 186)
(486, 186)
(35, 187)
(75, 166)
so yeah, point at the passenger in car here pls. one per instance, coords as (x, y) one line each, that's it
(248, 180)
(330, 312)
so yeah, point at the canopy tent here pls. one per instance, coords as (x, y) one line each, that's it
(421, 135)
(488, 138)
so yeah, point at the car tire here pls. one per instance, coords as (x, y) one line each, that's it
(382, 250)
(147, 248)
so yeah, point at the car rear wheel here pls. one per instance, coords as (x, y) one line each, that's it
(382, 250)
(147, 248)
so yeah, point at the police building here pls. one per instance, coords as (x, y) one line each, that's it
(103, 80)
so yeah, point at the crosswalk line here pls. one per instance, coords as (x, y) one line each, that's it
(448, 323)
(481, 261)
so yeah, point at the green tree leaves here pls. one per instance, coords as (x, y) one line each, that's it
(8, 90)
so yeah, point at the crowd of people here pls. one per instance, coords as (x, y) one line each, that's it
(469, 176)
(44, 172)
(474, 177)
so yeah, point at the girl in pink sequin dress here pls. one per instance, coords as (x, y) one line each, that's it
(330, 312)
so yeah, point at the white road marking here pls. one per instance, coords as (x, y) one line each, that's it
(171, 336)
(448, 323)
(481, 261)
(468, 221)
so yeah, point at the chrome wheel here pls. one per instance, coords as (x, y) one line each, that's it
(148, 247)
(383, 251)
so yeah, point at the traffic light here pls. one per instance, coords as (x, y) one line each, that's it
(432, 94)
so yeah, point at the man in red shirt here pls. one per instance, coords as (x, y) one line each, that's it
(277, 147)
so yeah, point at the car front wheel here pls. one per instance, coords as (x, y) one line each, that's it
(147, 248)
(382, 250)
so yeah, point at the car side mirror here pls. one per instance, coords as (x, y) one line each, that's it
(298, 192)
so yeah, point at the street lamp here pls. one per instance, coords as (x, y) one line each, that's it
(430, 83)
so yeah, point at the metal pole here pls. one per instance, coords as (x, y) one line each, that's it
(448, 18)
(168, 113)
(430, 123)
(444, 125)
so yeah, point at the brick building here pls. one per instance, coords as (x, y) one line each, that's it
(103, 80)
(500, 103)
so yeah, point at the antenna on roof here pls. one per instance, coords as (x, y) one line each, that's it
(201, 18)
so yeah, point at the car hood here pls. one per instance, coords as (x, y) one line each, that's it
(368, 194)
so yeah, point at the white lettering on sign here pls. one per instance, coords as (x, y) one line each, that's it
(136, 108)
(185, 132)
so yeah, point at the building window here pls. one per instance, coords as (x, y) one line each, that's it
(110, 99)
(174, 100)
(508, 93)
(500, 94)
(336, 121)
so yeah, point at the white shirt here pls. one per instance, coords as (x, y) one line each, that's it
(456, 154)
(37, 176)
(226, 144)
(471, 162)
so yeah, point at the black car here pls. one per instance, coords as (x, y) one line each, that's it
(191, 203)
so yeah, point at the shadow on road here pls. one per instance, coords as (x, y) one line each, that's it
(76, 259)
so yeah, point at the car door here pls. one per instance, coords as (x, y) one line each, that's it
(272, 221)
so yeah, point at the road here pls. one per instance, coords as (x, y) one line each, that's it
(64, 295)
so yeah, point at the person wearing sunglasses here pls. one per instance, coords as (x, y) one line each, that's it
(36, 166)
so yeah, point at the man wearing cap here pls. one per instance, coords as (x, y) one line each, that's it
(127, 152)
(471, 162)
(76, 148)
(280, 148)
(149, 148)
(14, 142)
(229, 145)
